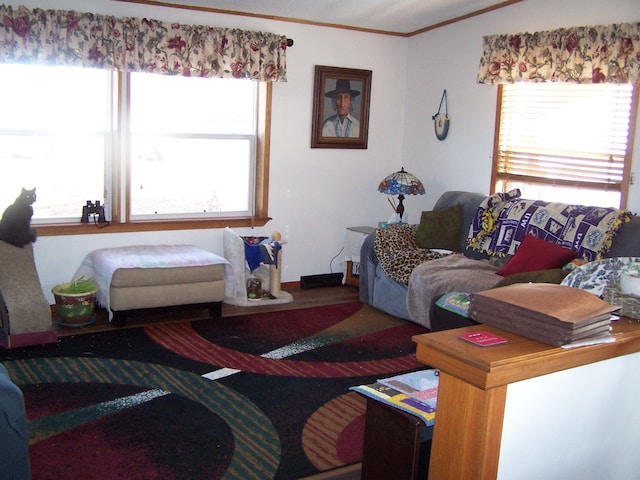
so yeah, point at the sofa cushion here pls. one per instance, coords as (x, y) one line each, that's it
(536, 254)
(551, 275)
(469, 201)
(440, 228)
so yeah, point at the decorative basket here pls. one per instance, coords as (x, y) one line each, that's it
(630, 304)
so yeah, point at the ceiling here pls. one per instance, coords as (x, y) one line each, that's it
(399, 17)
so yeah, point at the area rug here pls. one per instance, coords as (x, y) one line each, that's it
(257, 396)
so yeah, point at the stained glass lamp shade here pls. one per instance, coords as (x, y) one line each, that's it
(401, 183)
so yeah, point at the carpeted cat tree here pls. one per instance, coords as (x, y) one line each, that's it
(25, 315)
(236, 291)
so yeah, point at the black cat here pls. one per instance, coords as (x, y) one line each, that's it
(15, 225)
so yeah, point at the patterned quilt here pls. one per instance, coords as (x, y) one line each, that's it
(503, 220)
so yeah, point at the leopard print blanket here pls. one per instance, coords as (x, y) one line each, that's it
(398, 253)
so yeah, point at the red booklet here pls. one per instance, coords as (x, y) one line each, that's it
(482, 338)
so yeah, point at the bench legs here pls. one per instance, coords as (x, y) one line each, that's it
(119, 318)
(214, 309)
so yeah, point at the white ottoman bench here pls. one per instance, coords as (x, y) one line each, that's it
(143, 277)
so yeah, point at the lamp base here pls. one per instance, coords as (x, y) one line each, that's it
(400, 208)
(395, 219)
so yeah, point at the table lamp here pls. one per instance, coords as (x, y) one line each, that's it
(401, 183)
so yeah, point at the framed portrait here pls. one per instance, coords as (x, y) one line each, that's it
(340, 107)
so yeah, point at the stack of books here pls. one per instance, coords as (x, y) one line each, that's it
(415, 393)
(550, 313)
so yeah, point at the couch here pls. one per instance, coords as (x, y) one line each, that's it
(482, 249)
(14, 435)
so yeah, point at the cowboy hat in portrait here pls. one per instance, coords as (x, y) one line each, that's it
(342, 86)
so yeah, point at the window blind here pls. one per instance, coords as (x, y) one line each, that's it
(564, 134)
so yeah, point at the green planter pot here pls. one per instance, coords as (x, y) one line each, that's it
(74, 308)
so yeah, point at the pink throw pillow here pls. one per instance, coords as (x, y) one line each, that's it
(535, 254)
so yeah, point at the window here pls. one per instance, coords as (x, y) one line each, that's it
(56, 136)
(198, 146)
(565, 142)
(160, 152)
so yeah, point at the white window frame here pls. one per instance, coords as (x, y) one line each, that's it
(205, 135)
(117, 179)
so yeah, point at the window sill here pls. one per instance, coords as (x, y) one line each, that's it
(49, 230)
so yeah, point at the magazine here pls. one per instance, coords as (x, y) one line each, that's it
(398, 400)
(456, 302)
(422, 385)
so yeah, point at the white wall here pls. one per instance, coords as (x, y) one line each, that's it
(316, 193)
(580, 423)
(448, 58)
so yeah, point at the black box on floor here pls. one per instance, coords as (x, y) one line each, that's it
(324, 280)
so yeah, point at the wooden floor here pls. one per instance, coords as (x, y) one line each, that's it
(302, 298)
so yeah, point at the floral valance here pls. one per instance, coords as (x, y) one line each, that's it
(58, 37)
(600, 54)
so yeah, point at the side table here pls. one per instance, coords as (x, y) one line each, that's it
(396, 444)
(353, 243)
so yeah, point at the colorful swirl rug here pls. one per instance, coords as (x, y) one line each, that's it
(260, 396)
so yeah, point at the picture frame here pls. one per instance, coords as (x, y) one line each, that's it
(341, 99)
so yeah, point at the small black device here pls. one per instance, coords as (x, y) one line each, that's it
(94, 210)
(323, 280)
